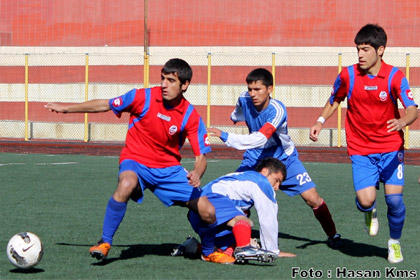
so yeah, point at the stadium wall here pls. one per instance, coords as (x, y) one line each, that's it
(320, 23)
(300, 41)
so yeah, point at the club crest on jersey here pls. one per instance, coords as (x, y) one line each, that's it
(409, 94)
(173, 129)
(383, 95)
(371, 87)
(163, 117)
(206, 140)
(117, 102)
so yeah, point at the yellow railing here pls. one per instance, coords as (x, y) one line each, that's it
(209, 98)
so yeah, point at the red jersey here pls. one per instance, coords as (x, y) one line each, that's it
(371, 102)
(156, 133)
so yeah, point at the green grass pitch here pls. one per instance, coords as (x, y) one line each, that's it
(62, 198)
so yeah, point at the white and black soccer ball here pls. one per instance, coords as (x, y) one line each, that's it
(24, 250)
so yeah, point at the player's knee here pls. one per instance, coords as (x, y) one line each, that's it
(312, 198)
(365, 204)
(395, 203)
(126, 185)
(207, 212)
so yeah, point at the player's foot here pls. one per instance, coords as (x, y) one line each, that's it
(100, 251)
(190, 248)
(335, 241)
(249, 253)
(218, 257)
(394, 251)
(371, 222)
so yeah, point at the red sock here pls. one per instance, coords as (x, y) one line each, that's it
(323, 215)
(242, 232)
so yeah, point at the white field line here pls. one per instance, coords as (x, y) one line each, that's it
(46, 163)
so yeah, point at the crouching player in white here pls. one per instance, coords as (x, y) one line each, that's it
(232, 196)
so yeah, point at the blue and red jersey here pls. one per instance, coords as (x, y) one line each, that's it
(156, 133)
(371, 102)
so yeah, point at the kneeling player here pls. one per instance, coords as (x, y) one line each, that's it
(232, 195)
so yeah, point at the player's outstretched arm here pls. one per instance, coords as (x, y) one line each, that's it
(91, 106)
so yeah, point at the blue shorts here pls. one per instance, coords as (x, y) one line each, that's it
(298, 179)
(169, 184)
(225, 211)
(369, 170)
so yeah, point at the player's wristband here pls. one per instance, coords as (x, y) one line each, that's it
(321, 120)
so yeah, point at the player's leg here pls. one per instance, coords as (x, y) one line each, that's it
(396, 210)
(204, 209)
(241, 229)
(171, 186)
(298, 181)
(323, 215)
(365, 182)
(115, 210)
(392, 173)
(225, 210)
(366, 203)
(396, 218)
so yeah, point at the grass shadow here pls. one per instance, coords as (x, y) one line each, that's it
(133, 251)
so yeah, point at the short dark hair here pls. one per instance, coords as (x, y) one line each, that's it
(274, 166)
(180, 67)
(260, 74)
(371, 34)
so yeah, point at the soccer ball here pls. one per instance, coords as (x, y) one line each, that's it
(24, 250)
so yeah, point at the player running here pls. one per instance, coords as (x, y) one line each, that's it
(266, 119)
(374, 134)
(160, 121)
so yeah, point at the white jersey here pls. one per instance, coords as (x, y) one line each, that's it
(247, 189)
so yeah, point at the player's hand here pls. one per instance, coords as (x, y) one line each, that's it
(286, 255)
(214, 131)
(315, 130)
(193, 179)
(395, 125)
(55, 107)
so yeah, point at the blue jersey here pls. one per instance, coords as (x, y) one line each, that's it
(268, 138)
(271, 122)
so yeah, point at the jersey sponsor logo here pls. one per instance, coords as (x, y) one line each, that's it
(173, 129)
(117, 102)
(371, 87)
(383, 95)
(409, 94)
(163, 117)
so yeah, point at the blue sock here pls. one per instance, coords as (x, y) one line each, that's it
(208, 236)
(114, 214)
(365, 209)
(396, 214)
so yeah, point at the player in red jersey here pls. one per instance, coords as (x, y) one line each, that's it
(160, 121)
(374, 134)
